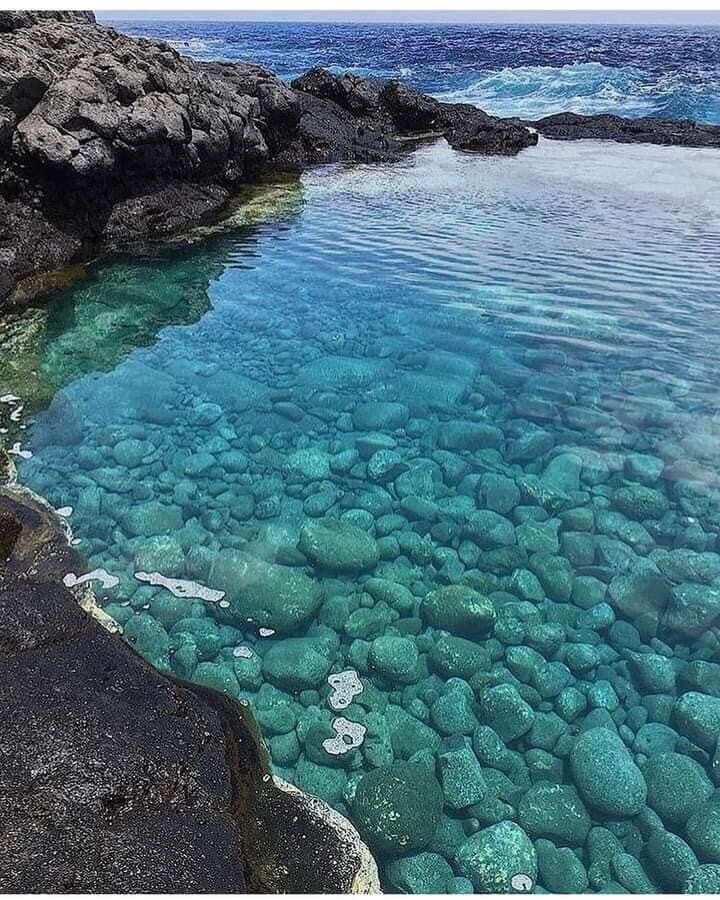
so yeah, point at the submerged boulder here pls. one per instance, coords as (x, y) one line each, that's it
(397, 808)
(492, 858)
(338, 546)
(458, 609)
(263, 594)
(605, 774)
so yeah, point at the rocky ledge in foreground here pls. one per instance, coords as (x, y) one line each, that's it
(115, 778)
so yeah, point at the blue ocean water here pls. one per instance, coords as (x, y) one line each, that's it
(523, 70)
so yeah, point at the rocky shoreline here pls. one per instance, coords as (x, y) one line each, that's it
(109, 142)
(167, 784)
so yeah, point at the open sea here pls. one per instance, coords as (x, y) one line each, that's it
(421, 461)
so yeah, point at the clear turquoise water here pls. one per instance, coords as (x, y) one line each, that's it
(499, 374)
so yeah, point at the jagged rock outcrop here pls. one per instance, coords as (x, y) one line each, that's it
(676, 132)
(107, 141)
(116, 778)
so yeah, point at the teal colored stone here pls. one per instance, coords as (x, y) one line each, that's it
(453, 712)
(321, 781)
(264, 594)
(310, 464)
(398, 808)
(672, 860)
(248, 672)
(408, 735)
(449, 836)
(152, 517)
(697, 716)
(588, 591)
(167, 609)
(465, 435)
(562, 473)
(338, 547)
(630, 874)
(458, 609)
(637, 501)
(492, 857)
(421, 873)
(184, 658)
(555, 574)
(539, 537)
(556, 812)
(570, 703)
(578, 547)
(526, 585)
(559, 869)
(676, 787)
(652, 673)
(148, 637)
(605, 775)
(204, 632)
(703, 830)
(643, 467)
(654, 737)
(380, 416)
(161, 553)
(489, 529)
(130, 453)
(503, 709)
(277, 719)
(297, 664)
(394, 658)
(367, 624)
(499, 493)
(704, 880)
(218, 676)
(461, 777)
(284, 749)
(397, 596)
(456, 657)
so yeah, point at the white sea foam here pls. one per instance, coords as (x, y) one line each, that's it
(346, 686)
(102, 575)
(186, 590)
(350, 736)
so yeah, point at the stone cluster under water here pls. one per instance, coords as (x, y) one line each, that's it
(469, 585)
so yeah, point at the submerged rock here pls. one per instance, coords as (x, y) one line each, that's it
(605, 775)
(458, 609)
(494, 856)
(338, 546)
(397, 808)
(264, 594)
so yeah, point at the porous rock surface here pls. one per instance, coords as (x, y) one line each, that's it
(120, 779)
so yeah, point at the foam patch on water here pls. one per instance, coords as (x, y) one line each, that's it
(102, 575)
(350, 736)
(346, 686)
(16, 450)
(186, 590)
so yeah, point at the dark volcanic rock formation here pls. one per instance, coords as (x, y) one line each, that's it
(678, 133)
(115, 778)
(107, 141)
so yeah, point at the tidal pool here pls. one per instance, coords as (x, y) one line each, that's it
(427, 472)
